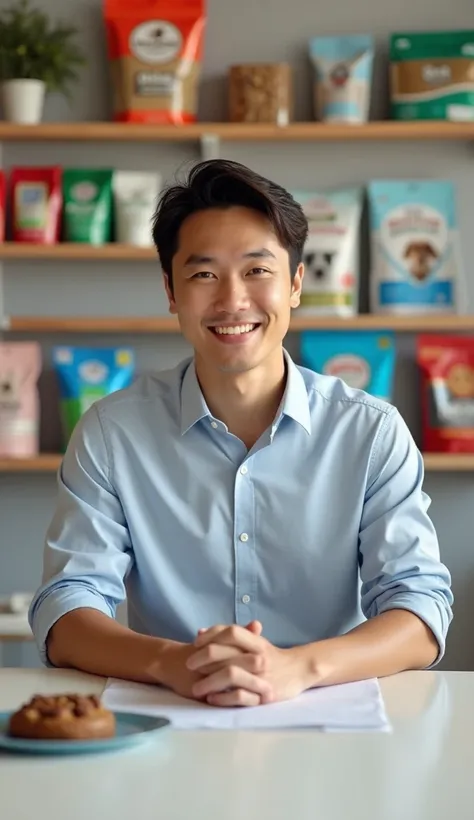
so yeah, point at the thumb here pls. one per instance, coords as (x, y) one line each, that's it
(255, 627)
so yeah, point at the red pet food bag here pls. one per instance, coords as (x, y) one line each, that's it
(155, 52)
(36, 202)
(447, 368)
(3, 208)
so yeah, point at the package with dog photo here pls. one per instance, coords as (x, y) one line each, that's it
(331, 254)
(416, 261)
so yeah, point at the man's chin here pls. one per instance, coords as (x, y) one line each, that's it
(236, 363)
(241, 367)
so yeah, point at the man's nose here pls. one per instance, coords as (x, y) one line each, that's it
(232, 295)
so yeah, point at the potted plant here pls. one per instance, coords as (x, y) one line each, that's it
(35, 57)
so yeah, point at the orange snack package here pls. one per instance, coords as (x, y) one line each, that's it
(155, 53)
(447, 368)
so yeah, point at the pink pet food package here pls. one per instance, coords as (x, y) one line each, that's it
(20, 368)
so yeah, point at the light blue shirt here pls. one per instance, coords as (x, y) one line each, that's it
(324, 521)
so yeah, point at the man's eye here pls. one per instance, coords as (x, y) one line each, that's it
(258, 270)
(203, 274)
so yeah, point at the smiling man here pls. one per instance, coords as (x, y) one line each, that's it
(267, 523)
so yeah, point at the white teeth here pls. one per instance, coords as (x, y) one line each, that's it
(223, 331)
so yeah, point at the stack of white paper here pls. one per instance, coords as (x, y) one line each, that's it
(347, 707)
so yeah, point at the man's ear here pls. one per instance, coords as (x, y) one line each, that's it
(296, 286)
(171, 302)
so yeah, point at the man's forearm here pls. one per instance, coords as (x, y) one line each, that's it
(88, 640)
(391, 642)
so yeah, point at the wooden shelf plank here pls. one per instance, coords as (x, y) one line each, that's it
(449, 462)
(76, 250)
(371, 321)
(91, 324)
(50, 462)
(242, 132)
(43, 463)
(169, 324)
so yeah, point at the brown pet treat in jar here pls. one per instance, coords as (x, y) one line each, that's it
(260, 93)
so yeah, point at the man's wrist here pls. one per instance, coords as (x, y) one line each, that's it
(316, 663)
(152, 657)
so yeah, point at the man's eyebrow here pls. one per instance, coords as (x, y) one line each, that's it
(198, 259)
(261, 253)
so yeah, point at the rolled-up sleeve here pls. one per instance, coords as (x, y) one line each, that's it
(399, 554)
(87, 553)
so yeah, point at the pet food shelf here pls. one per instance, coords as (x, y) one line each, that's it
(209, 135)
(168, 324)
(80, 251)
(236, 132)
(50, 462)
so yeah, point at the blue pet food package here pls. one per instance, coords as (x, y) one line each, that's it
(331, 253)
(363, 359)
(343, 69)
(86, 375)
(416, 264)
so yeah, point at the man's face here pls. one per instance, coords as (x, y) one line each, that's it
(232, 287)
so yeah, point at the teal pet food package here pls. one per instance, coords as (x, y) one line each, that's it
(363, 359)
(342, 77)
(416, 262)
(86, 375)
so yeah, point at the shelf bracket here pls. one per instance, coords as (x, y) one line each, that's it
(210, 146)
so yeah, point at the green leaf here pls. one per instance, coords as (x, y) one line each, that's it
(32, 47)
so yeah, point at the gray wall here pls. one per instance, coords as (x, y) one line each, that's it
(277, 31)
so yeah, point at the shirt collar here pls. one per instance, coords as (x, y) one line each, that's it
(193, 404)
(295, 402)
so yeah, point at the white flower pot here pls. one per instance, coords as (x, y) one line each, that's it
(23, 100)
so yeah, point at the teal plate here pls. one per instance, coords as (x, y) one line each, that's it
(131, 731)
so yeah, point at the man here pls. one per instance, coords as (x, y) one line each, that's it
(240, 498)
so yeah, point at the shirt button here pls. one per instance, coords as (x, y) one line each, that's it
(245, 599)
(244, 470)
(244, 537)
(214, 424)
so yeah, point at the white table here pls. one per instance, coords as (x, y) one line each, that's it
(423, 771)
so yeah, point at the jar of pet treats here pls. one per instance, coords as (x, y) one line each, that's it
(260, 93)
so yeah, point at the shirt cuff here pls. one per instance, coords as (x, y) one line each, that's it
(429, 611)
(53, 606)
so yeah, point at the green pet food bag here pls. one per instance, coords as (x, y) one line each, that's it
(88, 205)
(432, 75)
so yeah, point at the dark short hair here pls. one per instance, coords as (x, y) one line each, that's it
(221, 183)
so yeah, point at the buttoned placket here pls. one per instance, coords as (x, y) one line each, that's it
(244, 543)
(244, 518)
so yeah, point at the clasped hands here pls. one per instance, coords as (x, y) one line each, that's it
(236, 666)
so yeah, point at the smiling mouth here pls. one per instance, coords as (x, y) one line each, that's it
(234, 330)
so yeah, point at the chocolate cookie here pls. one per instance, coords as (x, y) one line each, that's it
(62, 717)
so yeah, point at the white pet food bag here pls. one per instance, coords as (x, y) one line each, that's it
(135, 200)
(416, 263)
(331, 254)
